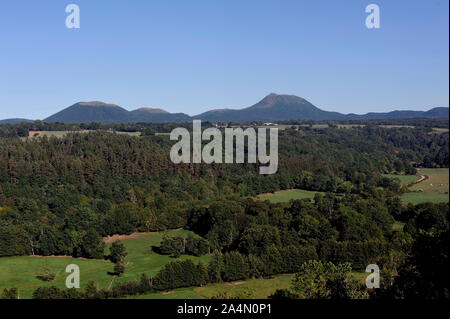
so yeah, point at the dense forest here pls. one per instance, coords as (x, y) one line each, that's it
(61, 195)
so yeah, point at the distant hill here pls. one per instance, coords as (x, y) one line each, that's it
(146, 114)
(99, 112)
(274, 107)
(87, 112)
(437, 112)
(14, 121)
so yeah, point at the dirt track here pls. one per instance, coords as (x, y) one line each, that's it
(113, 238)
(419, 180)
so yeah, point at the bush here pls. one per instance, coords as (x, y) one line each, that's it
(11, 293)
(280, 294)
(51, 292)
(119, 268)
(47, 275)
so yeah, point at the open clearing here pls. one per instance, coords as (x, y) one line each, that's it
(417, 198)
(248, 289)
(21, 272)
(142, 261)
(60, 134)
(286, 195)
(434, 189)
(437, 183)
(404, 179)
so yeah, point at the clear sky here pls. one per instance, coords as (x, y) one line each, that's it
(193, 55)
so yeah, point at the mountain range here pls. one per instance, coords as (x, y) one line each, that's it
(273, 107)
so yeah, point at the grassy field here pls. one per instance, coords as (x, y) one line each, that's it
(434, 189)
(417, 198)
(246, 289)
(21, 272)
(404, 179)
(128, 133)
(286, 195)
(285, 126)
(140, 260)
(60, 134)
(250, 289)
(437, 182)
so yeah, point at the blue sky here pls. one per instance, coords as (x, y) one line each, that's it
(191, 56)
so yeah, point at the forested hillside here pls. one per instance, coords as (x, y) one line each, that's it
(61, 195)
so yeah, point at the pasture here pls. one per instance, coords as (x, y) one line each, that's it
(404, 179)
(141, 260)
(22, 272)
(286, 195)
(246, 289)
(417, 198)
(433, 189)
(437, 182)
(61, 134)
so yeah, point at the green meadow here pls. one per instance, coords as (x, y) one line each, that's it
(437, 182)
(22, 272)
(61, 134)
(141, 260)
(286, 195)
(404, 179)
(433, 189)
(417, 198)
(248, 289)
